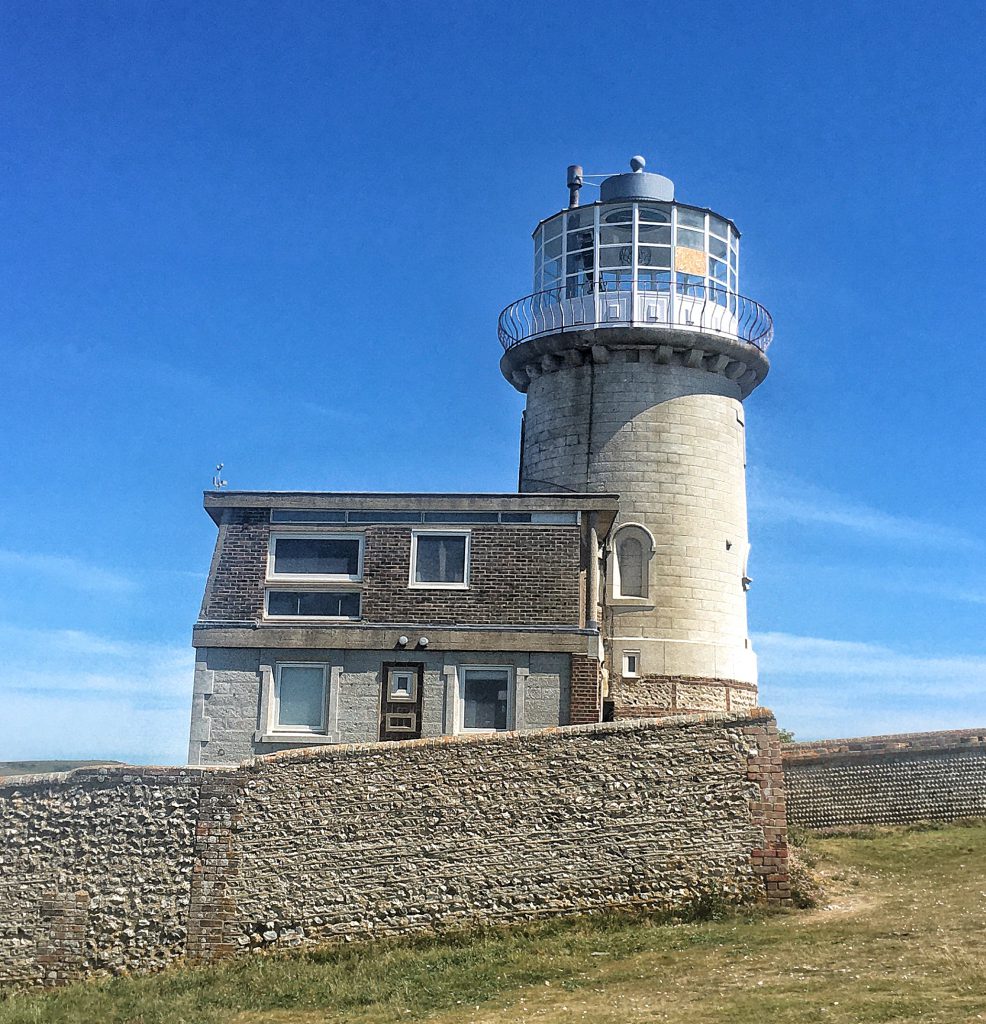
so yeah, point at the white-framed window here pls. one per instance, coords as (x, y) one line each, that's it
(631, 663)
(486, 698)
(633, 550)
(402, 685)
(300, 698)
(329, 557)
(440, 559)
(312, 604)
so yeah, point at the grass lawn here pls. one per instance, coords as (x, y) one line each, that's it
(901, 937)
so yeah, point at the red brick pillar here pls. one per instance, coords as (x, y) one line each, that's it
(586, 703)
(769, 809)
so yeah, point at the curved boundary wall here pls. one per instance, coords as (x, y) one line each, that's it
(886, 780)
(107, 870)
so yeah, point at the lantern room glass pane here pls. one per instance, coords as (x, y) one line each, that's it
(581, 239)
(654, 280)
(617, 234)
(654, 256)
(654, 233)
(616, 256)
(580, 218)
(691, 218)
(552, 270)
(552, 248)
(717, 269)
(553, 227)
(717, 226)
(691, 239)
(717, 247)
(655, 214)
(620, 215)
(580, 261)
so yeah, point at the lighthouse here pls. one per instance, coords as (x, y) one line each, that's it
(636, 351)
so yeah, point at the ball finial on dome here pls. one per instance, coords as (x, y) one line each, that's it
(637, 163)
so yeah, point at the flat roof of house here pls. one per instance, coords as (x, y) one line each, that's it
(607, 504)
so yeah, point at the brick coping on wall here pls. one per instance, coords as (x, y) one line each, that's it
(864, 747)
(333, 750)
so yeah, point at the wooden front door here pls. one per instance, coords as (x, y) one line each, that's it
(400, 700)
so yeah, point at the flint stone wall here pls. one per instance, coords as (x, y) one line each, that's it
(886, 780)
(110, 870)
(95, 867)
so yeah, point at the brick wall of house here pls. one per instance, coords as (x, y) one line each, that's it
(519, 575)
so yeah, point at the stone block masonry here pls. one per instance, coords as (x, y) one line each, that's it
(886, 780)
(115, 870)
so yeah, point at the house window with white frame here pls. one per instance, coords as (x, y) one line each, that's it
(314, 557)
(631, 663)
(440, 559)
(300, 699)
(486, 698)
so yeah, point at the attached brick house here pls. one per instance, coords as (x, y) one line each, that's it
(345, 618)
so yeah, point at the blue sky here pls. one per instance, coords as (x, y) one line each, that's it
(279, 234)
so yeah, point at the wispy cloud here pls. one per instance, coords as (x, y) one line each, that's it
(787, 499)
(70, 693)
(824, 687)
(67, 571)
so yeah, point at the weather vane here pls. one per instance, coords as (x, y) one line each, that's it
(217, 480)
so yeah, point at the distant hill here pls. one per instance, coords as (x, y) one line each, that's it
(44, 767)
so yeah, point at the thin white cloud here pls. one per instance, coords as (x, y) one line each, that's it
(774, 497)
(69, 693)
(834, 688)
(882, 668)
(67, 571)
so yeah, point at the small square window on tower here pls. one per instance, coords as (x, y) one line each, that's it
(631, 663)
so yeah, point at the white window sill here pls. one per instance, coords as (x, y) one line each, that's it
(311, 618)
(311, 578)
(438, 586)
(304, 739)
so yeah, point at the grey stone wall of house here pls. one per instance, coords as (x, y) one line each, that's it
(95, 867)
(105, 870)
(888, 780)
(229, 694)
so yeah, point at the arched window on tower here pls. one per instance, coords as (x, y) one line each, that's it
(634, 547)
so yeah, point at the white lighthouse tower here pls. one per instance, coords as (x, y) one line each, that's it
(636, 351)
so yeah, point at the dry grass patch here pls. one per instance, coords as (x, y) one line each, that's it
(901, 937)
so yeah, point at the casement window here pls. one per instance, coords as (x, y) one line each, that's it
(486, 698)
(440, 559)
(300, 699)
(316, 557)
(313, 604)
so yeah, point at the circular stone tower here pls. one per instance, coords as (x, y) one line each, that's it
(636, 351)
